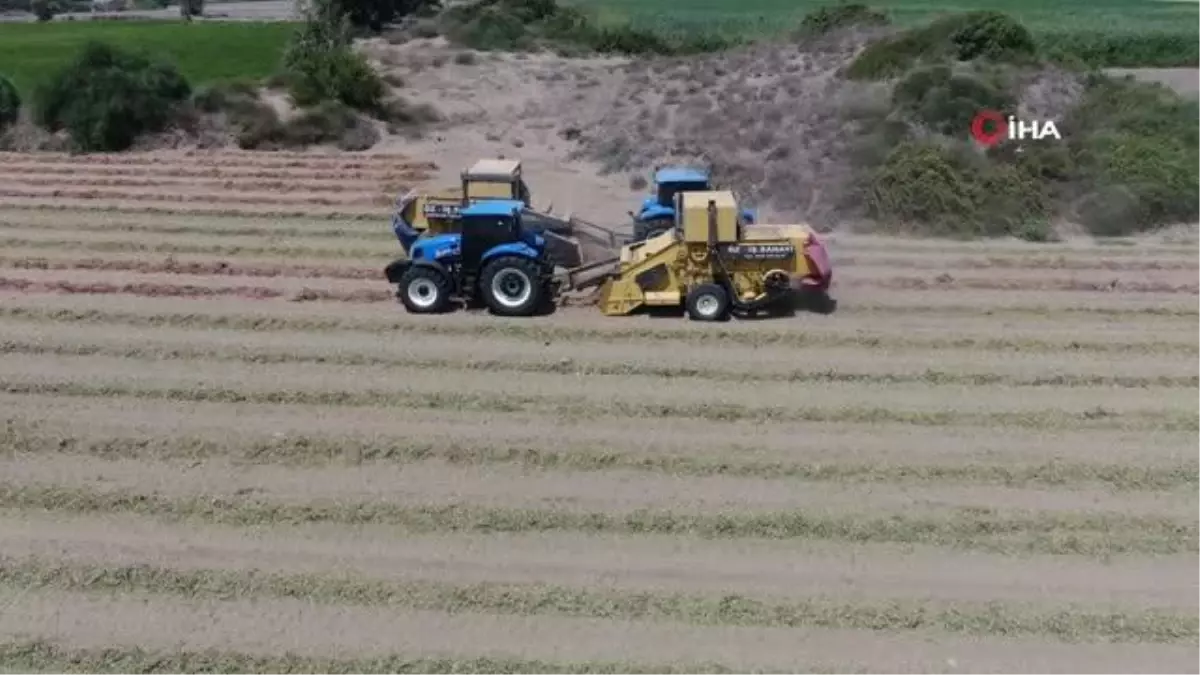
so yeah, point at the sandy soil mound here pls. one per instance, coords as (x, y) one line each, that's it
(774, 121)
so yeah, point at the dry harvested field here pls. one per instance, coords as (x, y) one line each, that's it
(226, 447)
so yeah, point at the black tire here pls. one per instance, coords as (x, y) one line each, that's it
(513, 286)
(707, 302)
(424, 290)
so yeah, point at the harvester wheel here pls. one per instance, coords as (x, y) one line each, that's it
(424, 290)
(707, 302)
(512, 286)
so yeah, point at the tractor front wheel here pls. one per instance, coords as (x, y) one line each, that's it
(707, 302)
(424, 290)
(512, 286)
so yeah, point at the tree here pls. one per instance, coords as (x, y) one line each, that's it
(190, 8)
(373, 15)
(44, 9)
(320, 64)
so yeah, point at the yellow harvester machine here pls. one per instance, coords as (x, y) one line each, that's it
(712, 264)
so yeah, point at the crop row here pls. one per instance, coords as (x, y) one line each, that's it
(980, 619)
(255, 210)
(970, 528)
(66, 172)
(211, 197)
(34, 656)
(297, 449)
(581, 408)
(701, 374)
(558, 332)
(282, 160)
(222, 186)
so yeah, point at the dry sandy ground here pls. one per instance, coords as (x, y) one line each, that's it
(984, 461)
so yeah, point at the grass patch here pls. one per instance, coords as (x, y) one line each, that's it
(42, 656)
(959, 528)
(1075, 624)
(310, 450)
(204, 52)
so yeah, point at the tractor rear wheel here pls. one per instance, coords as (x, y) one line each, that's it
(707, 302)
(424, 290)
(513, 286)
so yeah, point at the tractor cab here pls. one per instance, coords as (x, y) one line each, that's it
(492, 258)
(417, 213)
(657, 214)
(495, 179)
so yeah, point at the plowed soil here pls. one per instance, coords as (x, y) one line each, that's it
(225, 442)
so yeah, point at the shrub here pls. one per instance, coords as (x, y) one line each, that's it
(106, 97)
(190, 8)
(373, 15)
(946, 190)
(963, 37)
(331, 122)
(1136, 147)
(321, 66)
(515, 25)
(946, 102)
(10, 103)
(829, 18)
(44, 10)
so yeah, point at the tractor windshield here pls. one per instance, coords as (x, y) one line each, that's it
(667, 191)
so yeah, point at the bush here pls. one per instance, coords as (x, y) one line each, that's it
(373, 15)
(827, 19)
(44, 10)
(946, 190)
(320, 65)
(517, 25)
(106, 97)
(190, 8)
(962, 37)
(1135, 146)
(945, 102)
(10, 103)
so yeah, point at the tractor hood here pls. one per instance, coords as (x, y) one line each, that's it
(436, 247)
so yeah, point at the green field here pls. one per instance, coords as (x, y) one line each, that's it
(1114, 16)
(205, 52)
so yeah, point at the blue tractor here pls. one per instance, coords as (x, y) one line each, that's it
(492, 260)
(657, 214)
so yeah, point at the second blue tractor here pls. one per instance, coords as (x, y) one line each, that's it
(657, 213)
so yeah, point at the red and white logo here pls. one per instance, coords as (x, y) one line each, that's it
(990, 127)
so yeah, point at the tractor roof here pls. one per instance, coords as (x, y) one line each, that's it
(502, 208)
(498, 169)
(724, 199)
(680, 174)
